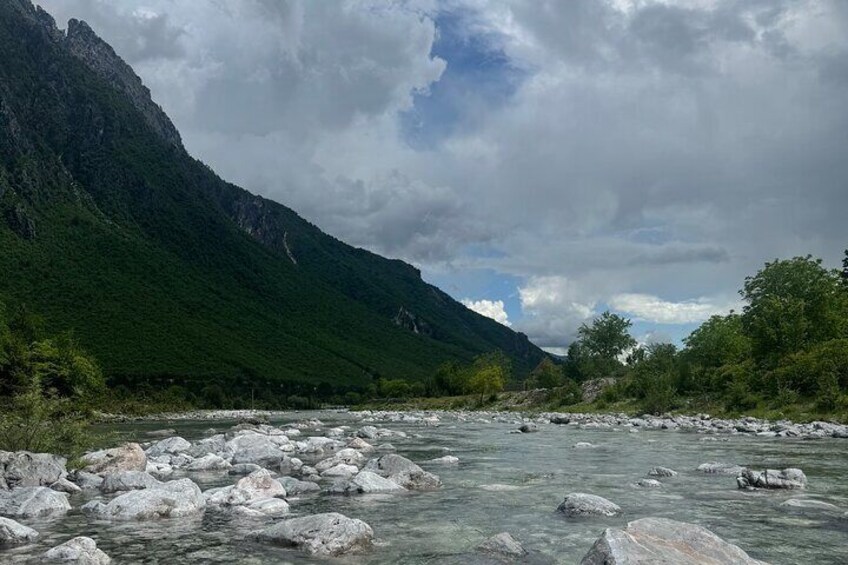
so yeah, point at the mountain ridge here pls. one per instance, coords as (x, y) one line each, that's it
(112, 228)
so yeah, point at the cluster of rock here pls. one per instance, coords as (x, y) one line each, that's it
(700, 423)
(270, 466)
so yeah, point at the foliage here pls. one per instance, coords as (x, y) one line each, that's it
(791, 305)
(487, 380)
(607, 337)
(546, 375)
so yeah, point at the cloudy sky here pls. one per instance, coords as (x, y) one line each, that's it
(540, 160)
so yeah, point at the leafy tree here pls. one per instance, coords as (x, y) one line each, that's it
(718, 341)
(547, 374)
(793, 304)
(488, 379)
(608, 336)
(844, 273)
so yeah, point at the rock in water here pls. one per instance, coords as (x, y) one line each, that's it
(128, 480)
(720, 469)
(366, 482)
(581, 504)
(169, 446)
(295, 487)
(12, 533)
(652, 541)
(662, 472)
(648, 483)
(320, 534)
(209, 462)
(528, 428)
(403, 472)
(256, 486)
(502, 544)
(81, 551)
(173, 499)
(33, 502)
(25, 469)
(771, 479)
(128, 457)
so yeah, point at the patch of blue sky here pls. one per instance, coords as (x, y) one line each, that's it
(478, 77)
(479, 284)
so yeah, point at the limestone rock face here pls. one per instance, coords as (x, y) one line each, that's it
(80, 550)
(579, 504)
(651, 541)
(33, 502)
(12, 533)
(128, 457)
(25, 469)
(772, 479)
(320, 534)
(173, 499)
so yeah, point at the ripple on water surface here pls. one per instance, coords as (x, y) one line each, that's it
(514, 482)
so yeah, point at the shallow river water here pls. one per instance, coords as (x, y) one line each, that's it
(512, 482)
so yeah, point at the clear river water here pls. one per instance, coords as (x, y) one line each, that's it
(510, 482)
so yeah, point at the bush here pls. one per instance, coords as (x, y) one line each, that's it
(566, 395)
(659, 395)
(44, 423)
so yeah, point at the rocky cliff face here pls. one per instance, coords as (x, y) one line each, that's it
(97, 55)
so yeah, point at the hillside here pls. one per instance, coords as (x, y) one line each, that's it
(167, 273)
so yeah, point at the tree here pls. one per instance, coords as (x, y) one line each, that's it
(487, 380)
(792, 305)
(844, 272)
(717, 342)
(608, 336)
(547, 374)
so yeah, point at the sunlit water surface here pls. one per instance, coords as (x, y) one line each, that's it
(510, 482)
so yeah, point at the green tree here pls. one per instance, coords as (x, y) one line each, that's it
(791, 305)
(487, 380)
(844, 272)
(546, 374)
(608, 336)
(717, 342)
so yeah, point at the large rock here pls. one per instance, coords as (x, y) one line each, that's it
(651, 541)
(25, 469)
(128, 480)
(771, 479)
(403, 472)
(346, 456)
(80, 550)
(254, 448)
(295, 487)
(169, 446)
(209, 462)
(320, 534)
(86, 480)
(366, 482)
(173, 499)
(579, 504)
(502, 544)
(256, 486)
(64, 485)
(33, 502)
(128, 457)
(12, 533)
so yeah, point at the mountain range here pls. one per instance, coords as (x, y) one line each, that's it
(166, 272)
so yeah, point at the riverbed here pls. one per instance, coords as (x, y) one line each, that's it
(506, 481)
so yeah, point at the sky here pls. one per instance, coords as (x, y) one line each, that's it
(540, 160)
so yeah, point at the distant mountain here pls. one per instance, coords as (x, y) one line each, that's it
(168, 273)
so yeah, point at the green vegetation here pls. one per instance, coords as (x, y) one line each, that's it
(785, 355)
(48, 387)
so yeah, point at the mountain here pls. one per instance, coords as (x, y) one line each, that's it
(169, 274)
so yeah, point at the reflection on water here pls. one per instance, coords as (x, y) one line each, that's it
(513, 482)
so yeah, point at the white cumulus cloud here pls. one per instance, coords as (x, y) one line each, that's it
(650, 308)
(493, 309)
